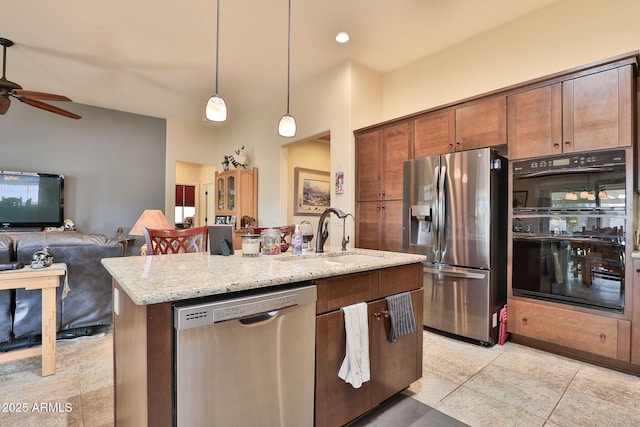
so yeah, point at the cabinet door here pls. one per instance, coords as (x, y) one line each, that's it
(396, 142)
(391, 219)
(368, 166)
(482, 125)
(336, 401)
(434, 134)
(368, 225)
(535, 122)
(400, 361)
(598, 110)
(379, 225)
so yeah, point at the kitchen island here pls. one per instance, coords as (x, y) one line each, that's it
(145, 289)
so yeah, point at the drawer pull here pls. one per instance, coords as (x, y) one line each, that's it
(524, 320)
(603, 338)
(377, 315)
(385, 313)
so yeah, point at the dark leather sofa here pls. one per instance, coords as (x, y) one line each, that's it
(87, 307)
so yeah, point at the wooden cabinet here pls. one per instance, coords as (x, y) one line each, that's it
(379, 161)
(478, 125)
(237, 196)
(603, 336)
(591, 112)
(598, 110)
(394, 366)
(379, 225)
(635, 316)
(434, 133)
(535, 122)
(380, 156)
(483, 124)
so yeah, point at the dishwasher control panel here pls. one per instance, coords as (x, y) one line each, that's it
(237, 308)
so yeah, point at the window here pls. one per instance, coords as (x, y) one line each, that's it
(185, 203)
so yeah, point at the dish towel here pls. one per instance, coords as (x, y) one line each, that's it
(401, 314)
(355, 366)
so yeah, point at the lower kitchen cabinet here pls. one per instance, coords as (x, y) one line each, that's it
(590, 333)
(394, 366)
(379, 225)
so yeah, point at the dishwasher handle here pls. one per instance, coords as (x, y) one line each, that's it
(260, 319)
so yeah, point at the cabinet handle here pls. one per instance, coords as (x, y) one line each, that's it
(567, 144)
(377, 315)
(385, 313)
(638, 270)
(382, 207)
(603, 338)
(524, 320)
(556, 145)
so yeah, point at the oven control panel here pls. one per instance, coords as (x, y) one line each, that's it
(570, 161)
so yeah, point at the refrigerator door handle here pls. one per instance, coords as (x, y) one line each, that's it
(442, 242)
(436, 217)
(454, 272)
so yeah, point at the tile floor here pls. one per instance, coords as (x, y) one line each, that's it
(508, 385)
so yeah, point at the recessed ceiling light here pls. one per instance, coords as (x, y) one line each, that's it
(342, 37)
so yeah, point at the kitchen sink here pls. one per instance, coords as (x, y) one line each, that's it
(330, 260)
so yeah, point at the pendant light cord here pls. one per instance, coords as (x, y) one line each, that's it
(289, 57)
(217, 41)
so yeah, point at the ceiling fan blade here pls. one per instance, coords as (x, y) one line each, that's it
(4, 103)
(49, 107)
(41, 95)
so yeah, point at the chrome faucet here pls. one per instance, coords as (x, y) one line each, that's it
(323, 231)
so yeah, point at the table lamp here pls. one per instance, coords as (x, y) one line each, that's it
(150, 218)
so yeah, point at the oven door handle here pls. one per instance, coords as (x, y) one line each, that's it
(564, 171)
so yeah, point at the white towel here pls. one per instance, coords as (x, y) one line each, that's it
(355, 366)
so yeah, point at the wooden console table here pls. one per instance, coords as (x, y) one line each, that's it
(47, 279)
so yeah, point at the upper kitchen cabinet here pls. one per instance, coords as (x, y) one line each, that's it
(482, 124)
(380, 156)
(434, 133)
(478, 125)
(590, 112)
(597, 110)
(535, 122)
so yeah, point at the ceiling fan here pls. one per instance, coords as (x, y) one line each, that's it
(9, 89)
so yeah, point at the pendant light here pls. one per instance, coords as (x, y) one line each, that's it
(287, 126)
(216, 109)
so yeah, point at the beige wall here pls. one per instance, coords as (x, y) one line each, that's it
(315, 155)
(564, 35)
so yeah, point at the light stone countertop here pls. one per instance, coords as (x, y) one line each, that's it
(166, 278)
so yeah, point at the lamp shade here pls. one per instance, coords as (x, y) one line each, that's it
(150, 219)
(287, 126)
(216, 109)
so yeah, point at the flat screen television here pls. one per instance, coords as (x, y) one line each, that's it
(31, 200)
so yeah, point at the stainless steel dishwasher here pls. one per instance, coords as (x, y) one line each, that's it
(246, 361)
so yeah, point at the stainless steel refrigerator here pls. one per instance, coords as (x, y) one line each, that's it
(455, 213)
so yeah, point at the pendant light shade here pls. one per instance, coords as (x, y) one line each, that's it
(287, 126)
(216, 109)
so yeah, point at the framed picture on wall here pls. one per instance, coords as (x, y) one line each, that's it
(311, 192)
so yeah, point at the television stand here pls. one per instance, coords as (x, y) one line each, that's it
(19, 229)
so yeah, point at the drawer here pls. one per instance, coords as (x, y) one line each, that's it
(580, 331)
(337, 292)
(400, 279)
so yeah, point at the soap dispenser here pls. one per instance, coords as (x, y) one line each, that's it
(296, 240)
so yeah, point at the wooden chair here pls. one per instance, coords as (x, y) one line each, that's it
(176, 241)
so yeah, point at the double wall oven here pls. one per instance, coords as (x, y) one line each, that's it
(569, 230)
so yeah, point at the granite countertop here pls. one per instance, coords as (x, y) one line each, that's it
(166, 278)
